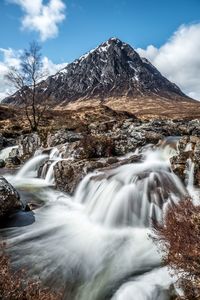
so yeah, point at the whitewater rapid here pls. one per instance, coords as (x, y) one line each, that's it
(96, 244)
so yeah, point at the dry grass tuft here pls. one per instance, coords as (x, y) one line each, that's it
(15, 285)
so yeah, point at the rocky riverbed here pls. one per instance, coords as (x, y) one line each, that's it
(94, 183)
(103, 144)
(98, 147)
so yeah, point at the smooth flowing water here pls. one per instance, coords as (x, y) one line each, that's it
(4, 154)
(96, 243)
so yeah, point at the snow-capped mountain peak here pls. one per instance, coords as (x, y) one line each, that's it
(113, 69)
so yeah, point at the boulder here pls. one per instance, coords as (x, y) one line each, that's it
(28, 144)
(13, 159)
(9, 198)
(68, 174)
(2, 163)
(124, 145)
(3, 142)
(91, 146)
(188, 150)
(62, 136)
(6, 141)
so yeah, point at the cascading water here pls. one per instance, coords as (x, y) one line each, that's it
(4, 154)
(30, 168)
(188, 147)
(28, 174)
(49, 178)
(189, 175)
(96, 243)
(132, 194)
(158, 291)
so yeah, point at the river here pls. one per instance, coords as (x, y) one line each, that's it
(96, 243)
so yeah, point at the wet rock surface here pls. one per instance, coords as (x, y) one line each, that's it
(9, 198)
(2, 163)
(2, 141)
(188, 154)
(69, 173)
(12, 161)
(6, 142)
(102, 145)
(62, 136)
(28, 144)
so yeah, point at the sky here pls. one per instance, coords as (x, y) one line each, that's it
(165, 32)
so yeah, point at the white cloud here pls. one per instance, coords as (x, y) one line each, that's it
(11, 58)
(50, 67)
(178, 59)
(40, 17)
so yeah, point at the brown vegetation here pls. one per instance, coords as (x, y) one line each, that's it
(157, 107)
(97, 146)
(179, 239)
(77, 119)
(144, 107)
(15, 285)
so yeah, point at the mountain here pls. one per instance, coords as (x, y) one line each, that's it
(112, 70)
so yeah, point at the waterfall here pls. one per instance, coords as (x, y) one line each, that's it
(31, 166)
(49, 178)
(54, 154)
(54, 158)
(28, 174)
(188, 147)
(189, 173)
(189, 180)
(132, 194)
(97, 241)
(4, 153)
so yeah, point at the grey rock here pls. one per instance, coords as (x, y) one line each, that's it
(62, 137)
(2, 163)
(180, 161)
(13, 161)
(3, 142)
(28, 144)
(68, 174)
(9, 198)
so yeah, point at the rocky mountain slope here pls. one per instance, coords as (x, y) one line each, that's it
(114, 69)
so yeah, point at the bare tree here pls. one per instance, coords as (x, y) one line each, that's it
(25, 79)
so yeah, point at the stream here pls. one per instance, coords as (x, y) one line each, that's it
(96, 243)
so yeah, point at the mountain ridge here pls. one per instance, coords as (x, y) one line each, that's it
(113, 69)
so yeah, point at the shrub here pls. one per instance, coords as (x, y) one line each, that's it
(15, 285)
(179, 241)
(96, 146)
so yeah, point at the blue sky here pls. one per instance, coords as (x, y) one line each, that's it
(166, 32)
(90, 22)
